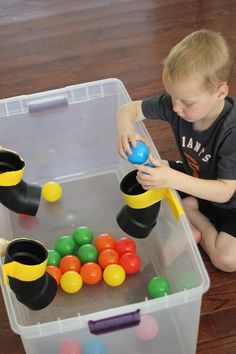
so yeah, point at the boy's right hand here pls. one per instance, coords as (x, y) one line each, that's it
(125, 138)
(127, 115)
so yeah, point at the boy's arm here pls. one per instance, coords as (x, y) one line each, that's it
(219, 191)
(127, 115)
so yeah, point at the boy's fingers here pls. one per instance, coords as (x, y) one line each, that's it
(123, 155)
(132, 139)
(153, 160)
(126, 143)
(124, 146)
(149, 146)
(131, 142)
(142, 170)
(121, 151)
(128, 149)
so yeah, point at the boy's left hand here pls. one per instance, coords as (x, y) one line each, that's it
(159, 176)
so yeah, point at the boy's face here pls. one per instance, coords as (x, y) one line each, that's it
(190, 101)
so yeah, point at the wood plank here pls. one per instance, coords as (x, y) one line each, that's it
(220, 297)
(217, 324)
(226, 345)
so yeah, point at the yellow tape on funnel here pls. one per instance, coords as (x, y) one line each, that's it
(152, 196)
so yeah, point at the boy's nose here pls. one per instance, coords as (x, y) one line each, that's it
(177, 107)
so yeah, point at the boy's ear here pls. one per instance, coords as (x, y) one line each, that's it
(222, 90)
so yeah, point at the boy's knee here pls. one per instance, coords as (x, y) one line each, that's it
(225, 261)
(190, 203)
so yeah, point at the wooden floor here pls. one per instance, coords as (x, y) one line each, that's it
(50, 44)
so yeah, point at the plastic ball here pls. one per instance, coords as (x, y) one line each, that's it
(147, 329)
(149, 164)
(125, 245)
(70, 346)
(91, 273)
(114, 275)
(55, 272)
(108, 256)
(94, 346)
(131, 262)
(158, 287)
(69, 262)
(53, 258)
(104, 241)
(82, 235)
(65, 245)
(51, 191)
(139, 153)
(27, 222)
(71, 282)
(87, 253)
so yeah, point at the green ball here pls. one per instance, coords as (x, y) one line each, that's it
(65, 245)
(158, 287)
(82, 235)
(87, 253)
(53, 258)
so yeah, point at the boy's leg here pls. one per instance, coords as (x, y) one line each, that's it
(191, 203)
(173, 246)
(220, 246)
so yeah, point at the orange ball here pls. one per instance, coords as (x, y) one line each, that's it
(69, 262)
(108, 256)
(91, 273)
(104, 241)
(55, 272)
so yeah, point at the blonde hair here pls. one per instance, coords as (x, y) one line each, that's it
(203, 54)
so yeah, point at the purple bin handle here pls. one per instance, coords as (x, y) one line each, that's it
(114, 323)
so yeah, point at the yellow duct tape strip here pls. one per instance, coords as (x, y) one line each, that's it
(11, 178)
(153, 196)
(22, 271)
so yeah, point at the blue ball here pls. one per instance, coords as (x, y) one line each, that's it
(148, 164)
(94, 346)
(139, 153)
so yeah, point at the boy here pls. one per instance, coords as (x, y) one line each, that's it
(196, 74)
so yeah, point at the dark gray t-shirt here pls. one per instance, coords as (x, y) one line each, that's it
(208, 154)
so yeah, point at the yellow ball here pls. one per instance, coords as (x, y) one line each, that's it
(114, 275)
(51, 191)
(71, 282)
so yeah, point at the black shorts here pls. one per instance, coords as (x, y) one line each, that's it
(223, 219)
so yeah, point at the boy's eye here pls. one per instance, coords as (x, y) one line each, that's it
(189, 104)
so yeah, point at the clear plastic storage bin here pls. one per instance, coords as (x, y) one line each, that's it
(68, 135)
